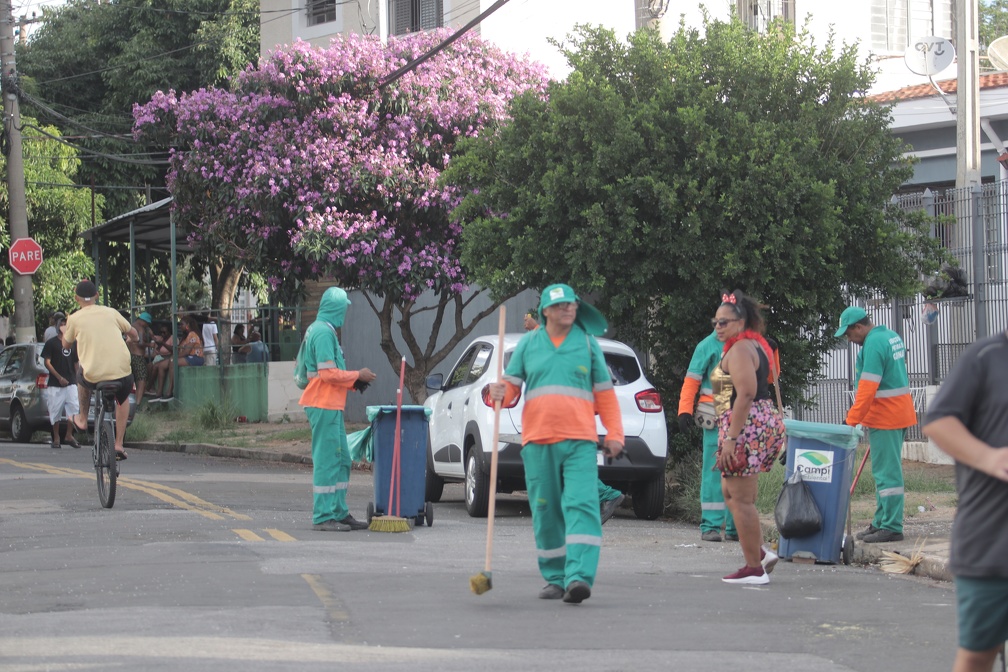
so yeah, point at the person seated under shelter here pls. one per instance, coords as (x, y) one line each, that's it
(255, 350)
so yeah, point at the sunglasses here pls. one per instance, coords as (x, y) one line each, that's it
(723, 322)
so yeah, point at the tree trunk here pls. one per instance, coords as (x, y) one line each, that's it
(225, 277)
(425, 356)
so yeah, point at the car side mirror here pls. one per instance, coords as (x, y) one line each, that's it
(434, 382)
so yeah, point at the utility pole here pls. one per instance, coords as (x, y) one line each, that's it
(23, 23)
(24, 299)
(968, 94)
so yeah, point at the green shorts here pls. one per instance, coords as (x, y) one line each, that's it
(982, 608)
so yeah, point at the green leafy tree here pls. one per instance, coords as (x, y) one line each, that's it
(658, 175)
(993, 20)
(57, 214)
(89, 63)
(92, 62)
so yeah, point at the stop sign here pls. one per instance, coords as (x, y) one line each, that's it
(25, 256)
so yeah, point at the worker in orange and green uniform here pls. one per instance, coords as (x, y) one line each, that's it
(609, 498)
(324, 400)
(882, 403)
(713, 513)
(566, 380)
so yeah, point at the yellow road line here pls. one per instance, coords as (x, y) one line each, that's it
(279, 535)
(334, 608)
(173, 496)
(189, 497)
(247, 535)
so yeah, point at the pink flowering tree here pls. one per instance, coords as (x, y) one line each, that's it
(307, 168)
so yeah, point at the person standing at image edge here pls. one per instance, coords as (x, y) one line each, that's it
(324, 400)
(882, 404)
(967, 420)
(713, 511)
(566, 380)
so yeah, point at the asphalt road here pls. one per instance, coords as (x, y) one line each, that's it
(211, 564)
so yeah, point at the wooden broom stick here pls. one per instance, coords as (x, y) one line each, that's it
(482, 582)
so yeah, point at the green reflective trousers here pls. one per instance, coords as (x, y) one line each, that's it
(331, 464)
(562, 483)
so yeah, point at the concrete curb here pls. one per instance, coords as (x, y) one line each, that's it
(930, 567)
(212, 450)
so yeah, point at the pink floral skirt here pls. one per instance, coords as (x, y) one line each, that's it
(762, 437)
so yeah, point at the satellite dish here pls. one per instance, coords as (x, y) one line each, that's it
(997, 52)
(930, 55)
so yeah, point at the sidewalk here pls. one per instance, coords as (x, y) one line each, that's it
(925, 533)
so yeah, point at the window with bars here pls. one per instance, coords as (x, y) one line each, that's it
(894, 23)
(758, 14)
(321, 11)
(409, 16)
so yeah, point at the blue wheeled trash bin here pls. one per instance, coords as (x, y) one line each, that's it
(824, 454)
(412, 463)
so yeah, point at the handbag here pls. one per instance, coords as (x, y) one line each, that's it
(705, 417)
(796, 513)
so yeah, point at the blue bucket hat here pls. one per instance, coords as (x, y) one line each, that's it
(588, 316)
(146, 317)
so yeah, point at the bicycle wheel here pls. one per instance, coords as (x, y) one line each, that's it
(105, 466)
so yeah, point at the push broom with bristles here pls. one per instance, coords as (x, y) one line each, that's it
(388, 522)
(482, 582)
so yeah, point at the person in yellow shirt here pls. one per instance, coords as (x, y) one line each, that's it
(103, 354)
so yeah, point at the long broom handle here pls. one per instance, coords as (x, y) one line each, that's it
(397, 443)
(495, 437)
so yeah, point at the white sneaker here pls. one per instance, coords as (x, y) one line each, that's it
(768, 558)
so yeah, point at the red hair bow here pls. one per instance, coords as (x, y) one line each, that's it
(728, 298)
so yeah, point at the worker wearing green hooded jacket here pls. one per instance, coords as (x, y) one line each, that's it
(324, 400)
(566, 380)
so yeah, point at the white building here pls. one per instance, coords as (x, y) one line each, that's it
(922, 117)
(883, 29)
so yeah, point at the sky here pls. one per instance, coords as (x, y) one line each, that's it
(26, 7)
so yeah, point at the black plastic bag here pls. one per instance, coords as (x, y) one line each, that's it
(796, 513)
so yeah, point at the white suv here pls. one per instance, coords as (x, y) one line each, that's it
(461, 425)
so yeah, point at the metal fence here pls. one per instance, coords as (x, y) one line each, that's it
(971, 224)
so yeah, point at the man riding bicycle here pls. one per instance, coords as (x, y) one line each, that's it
(103, 355)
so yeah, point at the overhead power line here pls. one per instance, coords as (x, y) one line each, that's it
(60, 185)
(412, 65)
(120, 158)
(53, 113)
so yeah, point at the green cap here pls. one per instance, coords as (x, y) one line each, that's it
(588, 316)
(146, 317)
(850, 316)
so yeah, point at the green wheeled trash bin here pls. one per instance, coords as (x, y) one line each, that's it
(824, 454)
(412, 463)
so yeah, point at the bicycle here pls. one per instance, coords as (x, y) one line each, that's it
(103, 452)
